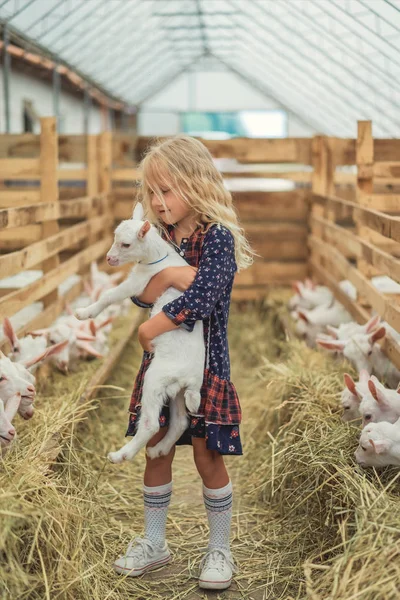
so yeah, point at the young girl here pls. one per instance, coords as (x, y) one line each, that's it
(183, 194)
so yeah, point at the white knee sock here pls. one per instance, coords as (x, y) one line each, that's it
(218, 505)
(156, 502)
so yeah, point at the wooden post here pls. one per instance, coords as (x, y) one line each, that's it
(365, 182)
(105, 162)
(322, 181)
(49, 189)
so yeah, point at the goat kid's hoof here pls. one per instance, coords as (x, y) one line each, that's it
(116, 457)
(154, 452)
(82, 314)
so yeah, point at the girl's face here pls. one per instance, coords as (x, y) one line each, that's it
(173, 210)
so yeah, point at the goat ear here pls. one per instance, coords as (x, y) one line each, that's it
(38, 332)
(298, 287)
(85, 337)
(92, 327)
(377, 394)
(10, 333)
(302, 315)
(106, 322)
(379, 445)
(377, 335)
(334, 345)
(50, 351)
(333, 331)
(309, 284)
(138, 212)
(350, 384)
(145, 228)
(372, 324)
(89, 349)
(12, 405)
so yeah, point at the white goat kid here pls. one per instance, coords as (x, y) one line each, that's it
(352, 395)
(314, 322)
(347, 330)
(176, 371)
(363, 353)
(30, 351)
(379, 404)
(379, 445)
(15, 379)
(308, 295)
(7, 413)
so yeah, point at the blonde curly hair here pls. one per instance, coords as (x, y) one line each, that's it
(185, 165)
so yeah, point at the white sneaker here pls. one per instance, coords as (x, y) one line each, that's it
(142, 556)
(217, 569)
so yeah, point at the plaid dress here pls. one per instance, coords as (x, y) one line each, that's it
(212, 251)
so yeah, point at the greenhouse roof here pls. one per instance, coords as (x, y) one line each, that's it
(330, 62)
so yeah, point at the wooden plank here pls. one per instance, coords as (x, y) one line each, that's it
(343, 150)
(345, 240)
(12, 198)
(296, 176)
(387, 170)
(105, 161)
(263, 273)
(32, 255)
(126, 174)
(40, 213)
(271, 206)
(16, 301)
(71, 148)
(72, 174)
(253, 150)
(384, 307)
(92, 186)
(386, 150)
(278, 241)
(19, 168)
(382, 202)
(14, 239)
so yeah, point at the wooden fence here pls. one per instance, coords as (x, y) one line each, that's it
(357, 239)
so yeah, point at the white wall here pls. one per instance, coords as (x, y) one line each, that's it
(28, 87)
(207, 91)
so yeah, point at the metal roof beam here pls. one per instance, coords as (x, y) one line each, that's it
(351, 72)
(46, 14)
(20, 10)
(339, 43)
(170, 79)
(308, 61)
(95, 32)
(202, 27)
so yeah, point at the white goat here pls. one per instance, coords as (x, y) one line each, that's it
(30, 351)
(379, 445)
(176, 371)
(313, 322)
(379, 404)
(7, 413)
(352, 395)
(308, 295)
(347, 330)
(362, 351)
(75, 344)
(15, 379)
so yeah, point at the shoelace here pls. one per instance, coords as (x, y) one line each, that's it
(138, 548)
(216, 558)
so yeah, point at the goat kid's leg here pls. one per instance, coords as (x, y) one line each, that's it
(147, 427)
(192, 400)
(111, 296)
(177, 425)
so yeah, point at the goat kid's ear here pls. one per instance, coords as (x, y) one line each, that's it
(10, 333)
(92, 327)
(39, 332)
(350, 384)
(377, 394)
(85, 337)
(12, 405)
(50, 351)
(138, 212)
(379, 445)
(372, 324)
(377, 335)
(145, 228)
(302, 315)
(89, 349)
(333, 331)
(309, 284)
(334, 345)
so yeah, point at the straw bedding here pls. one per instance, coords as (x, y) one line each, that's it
(307, 522)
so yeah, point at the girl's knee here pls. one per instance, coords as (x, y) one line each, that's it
(161, 462)
(207, 461)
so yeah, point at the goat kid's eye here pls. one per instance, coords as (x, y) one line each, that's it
(2, 378)
(368, 417)
(125, 245)
(362, 448)
(347, 408)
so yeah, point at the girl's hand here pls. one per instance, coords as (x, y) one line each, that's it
(182, 277)
(152, 328)
(144, 340)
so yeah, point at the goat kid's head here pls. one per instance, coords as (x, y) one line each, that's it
(132, 239)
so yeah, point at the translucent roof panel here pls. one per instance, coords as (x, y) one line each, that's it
(332, 61)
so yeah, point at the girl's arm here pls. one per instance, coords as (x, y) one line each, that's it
(178, 277)
(216, 268)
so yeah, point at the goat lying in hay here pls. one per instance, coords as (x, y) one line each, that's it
(177, 369)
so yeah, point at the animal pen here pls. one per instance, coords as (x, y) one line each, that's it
(308, 523)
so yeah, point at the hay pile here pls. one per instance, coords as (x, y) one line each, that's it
(307, 522)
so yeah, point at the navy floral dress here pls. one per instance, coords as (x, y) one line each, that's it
(212, 251)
